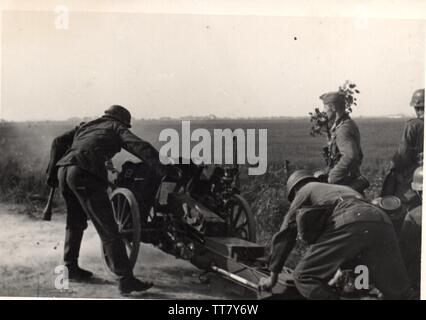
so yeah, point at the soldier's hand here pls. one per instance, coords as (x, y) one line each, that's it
(266, 284)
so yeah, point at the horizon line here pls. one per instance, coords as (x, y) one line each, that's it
(210, 117)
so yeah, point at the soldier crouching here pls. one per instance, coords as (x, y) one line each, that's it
(348, 228)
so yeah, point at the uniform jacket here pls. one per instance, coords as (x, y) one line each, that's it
(414, 216)
(91, 144)
(406, 159)
(319, 194)
(345, 151)
(411, 145)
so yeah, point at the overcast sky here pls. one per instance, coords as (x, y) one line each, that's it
(180, 64)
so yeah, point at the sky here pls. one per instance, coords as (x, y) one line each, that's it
(230, 63)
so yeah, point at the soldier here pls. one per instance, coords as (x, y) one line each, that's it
(408, 157)
(77, 164)
(411, 234)
(354, 229)
(344, 148)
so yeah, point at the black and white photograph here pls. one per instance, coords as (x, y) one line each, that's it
(212, 150)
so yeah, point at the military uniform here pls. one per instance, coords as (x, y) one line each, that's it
(410, 243)
(317, 194)
(411, 233)
(404, 162)
(344, 151)
(408, 157)
(354, 230)
(80, 155)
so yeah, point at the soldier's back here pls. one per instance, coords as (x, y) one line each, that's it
(95, 142)
(325, 193)
(414, 133)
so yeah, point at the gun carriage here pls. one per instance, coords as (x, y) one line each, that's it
(201, 219)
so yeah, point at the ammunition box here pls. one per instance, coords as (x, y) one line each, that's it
(235, 248)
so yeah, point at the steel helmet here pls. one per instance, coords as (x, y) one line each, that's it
(418, 99)
(119, 113)
(296, 178)
(417, 183)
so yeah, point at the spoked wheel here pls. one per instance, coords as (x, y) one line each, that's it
(240, 219)
(127, 216)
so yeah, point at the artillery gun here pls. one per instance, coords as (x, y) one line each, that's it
(201, 219)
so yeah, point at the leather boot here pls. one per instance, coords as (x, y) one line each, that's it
(115, 250)
(78, 274)
(129, 284)
(72, 245)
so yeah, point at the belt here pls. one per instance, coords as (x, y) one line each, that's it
(351, 215)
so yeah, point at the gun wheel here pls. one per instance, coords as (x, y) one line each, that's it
(240, 219)
(127, 216)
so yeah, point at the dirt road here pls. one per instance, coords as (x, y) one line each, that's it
(31, 249)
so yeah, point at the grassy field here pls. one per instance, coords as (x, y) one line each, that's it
(25, 151)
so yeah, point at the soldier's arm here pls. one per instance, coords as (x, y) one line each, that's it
(139, 148)
(283, 243)
(284, 240)
(59, 147)
(299, 200)
(350, 155)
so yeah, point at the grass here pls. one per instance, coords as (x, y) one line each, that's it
(25, 153)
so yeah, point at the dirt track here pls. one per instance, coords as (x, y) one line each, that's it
(30, 249)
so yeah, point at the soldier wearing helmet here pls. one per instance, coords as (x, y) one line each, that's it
(408, 156)
(344, 148)
(77, 164)
(352, 227)
(411, 233)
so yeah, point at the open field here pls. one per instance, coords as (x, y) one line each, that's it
(25, 151)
